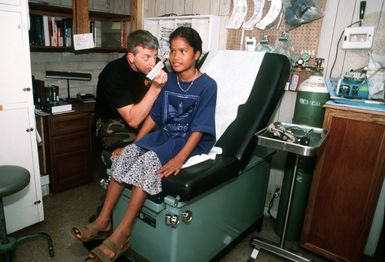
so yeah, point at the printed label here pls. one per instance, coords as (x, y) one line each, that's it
(304, 101)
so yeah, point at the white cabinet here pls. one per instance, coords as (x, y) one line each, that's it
(10, 2)
(13, 82)
(208, 27)
(18, 132)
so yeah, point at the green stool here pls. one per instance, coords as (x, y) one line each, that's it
(12, 180)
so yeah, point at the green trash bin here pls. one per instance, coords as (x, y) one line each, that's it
(312, 95)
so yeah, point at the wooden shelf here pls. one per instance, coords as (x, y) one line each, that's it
(50, 49)
(80, 23)
(108, 16)
(46, 9)
(51, 10)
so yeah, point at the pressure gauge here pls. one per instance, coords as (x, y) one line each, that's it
(295, 57)
(305, 56)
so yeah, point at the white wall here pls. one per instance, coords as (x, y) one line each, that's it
(340, 14)
(180, 7)
(69, 62)
(153, 8)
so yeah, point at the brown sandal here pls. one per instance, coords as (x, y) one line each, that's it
(79, 233)
(97, 253)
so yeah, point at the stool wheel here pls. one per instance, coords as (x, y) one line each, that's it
(51, 252)
(8, 245)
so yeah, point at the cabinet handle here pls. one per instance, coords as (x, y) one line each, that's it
(29, 129)
(27, 89)
(37, 202)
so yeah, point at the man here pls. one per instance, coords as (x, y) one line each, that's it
(123, 98)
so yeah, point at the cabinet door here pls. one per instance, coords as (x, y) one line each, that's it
(346, 185)
(10, 2)
(15, 73)
(70, 150)
(18, 147)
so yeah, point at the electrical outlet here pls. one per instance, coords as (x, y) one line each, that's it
(358, 37)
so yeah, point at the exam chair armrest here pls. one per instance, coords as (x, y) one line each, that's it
(199, 178)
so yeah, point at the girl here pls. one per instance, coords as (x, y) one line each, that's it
(185, 115)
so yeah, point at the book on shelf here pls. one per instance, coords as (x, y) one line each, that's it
(96, 30)
(46, 98)
(124, 33)
(47, 40)
(39, 92)
(50, 31)
(57, 32)
(36, 33)
(67, 34)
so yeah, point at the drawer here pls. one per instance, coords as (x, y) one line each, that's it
(69, 123)
(71, 143)
(71, 170)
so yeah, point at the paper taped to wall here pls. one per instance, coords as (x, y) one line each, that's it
(83, 41)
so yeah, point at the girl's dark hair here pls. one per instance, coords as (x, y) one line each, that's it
(141, 38)
(191, 36)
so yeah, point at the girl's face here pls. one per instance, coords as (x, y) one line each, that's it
(182, 56)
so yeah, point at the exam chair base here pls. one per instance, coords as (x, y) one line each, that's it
(200, 229)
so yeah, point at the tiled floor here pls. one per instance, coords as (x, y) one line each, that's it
(75, 206)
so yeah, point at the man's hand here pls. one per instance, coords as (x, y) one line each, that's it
(159, 80)
(134, 114)
(173, 166)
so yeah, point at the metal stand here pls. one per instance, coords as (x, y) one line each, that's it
(316, 137)
(279, 250)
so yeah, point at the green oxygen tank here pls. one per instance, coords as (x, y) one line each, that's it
(312, 95)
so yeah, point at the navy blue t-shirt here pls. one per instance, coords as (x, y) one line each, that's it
(178, 114)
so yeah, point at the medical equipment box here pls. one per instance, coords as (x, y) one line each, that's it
(353, 85)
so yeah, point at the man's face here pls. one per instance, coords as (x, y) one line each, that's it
(144, 59)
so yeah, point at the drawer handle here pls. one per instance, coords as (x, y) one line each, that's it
(29, 129)
(27, 89)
